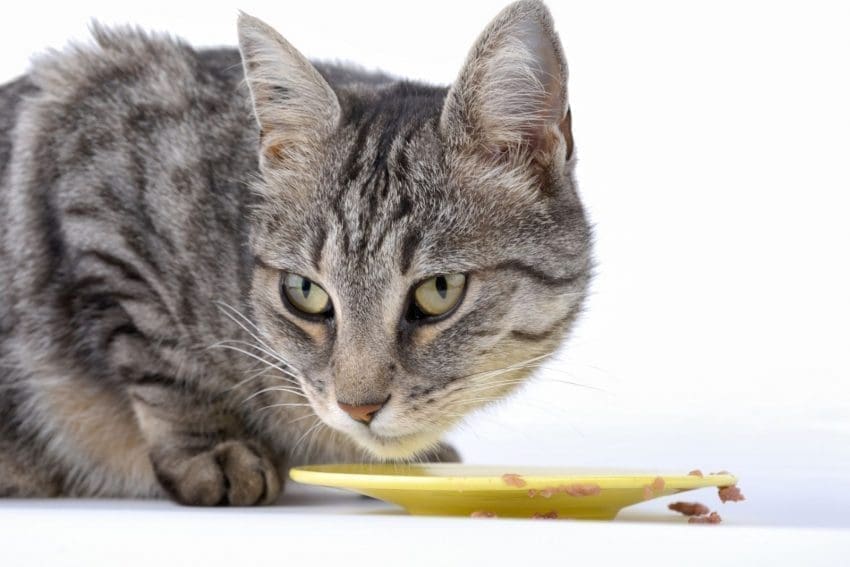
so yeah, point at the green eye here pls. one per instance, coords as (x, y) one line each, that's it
(305, 295)
(438, 295)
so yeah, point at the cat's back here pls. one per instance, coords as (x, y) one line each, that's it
(133, 87)
(134, 145)
(130, 88)
(127, 104)
(11, 95)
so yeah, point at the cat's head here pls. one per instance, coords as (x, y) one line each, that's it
(418, 248)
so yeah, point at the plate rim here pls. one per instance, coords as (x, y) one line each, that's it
(314, 475)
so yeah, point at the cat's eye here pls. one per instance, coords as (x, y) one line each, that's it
(438, 295)
(305, 295)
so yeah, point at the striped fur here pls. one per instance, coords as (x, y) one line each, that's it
(151, 195)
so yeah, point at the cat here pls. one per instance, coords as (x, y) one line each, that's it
(219, 263)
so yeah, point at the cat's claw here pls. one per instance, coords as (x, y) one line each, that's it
(233, 473)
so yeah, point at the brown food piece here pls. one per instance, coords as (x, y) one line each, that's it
(689, 508)
(553, 515)
(713, 518)
(483, 514)
(578, 489)
(512, 479)
(730, 494)
(721, 472)
(696, 472)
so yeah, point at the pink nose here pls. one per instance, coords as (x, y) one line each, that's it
(364, 413)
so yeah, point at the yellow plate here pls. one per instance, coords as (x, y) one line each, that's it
(517, 492)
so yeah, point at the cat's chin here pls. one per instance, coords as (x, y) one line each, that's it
(400, 447)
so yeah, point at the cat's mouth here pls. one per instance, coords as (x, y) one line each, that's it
(384, 439)
(393, 433)
(389, 436)
(398, 446)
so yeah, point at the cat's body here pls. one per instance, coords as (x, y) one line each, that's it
(140, 270)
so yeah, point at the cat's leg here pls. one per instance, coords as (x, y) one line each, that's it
(199, 453)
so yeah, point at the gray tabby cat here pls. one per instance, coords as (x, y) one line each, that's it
(216, 264)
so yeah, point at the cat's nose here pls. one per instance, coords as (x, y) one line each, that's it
(363, 413)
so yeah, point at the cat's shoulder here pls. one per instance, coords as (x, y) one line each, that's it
(126, 66)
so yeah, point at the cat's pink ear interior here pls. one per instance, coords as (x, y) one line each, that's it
(294, 105)
(511, 95)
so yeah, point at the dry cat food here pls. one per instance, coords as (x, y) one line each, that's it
(576, 489)
(689, 508)
(713, 518)
(698, 513)
(730, 494)
(512, 479)
(483, 514)
(553, 515)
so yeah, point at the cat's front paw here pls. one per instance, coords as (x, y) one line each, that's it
(234, 473)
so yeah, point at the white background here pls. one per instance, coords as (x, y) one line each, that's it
(713, 143)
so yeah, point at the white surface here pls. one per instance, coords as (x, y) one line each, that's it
(329, 528)
(713, 146)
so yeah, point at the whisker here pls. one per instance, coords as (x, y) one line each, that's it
(255, 357)
(304, 435)
(480, 382)
(310, 440)
(498, 383)
(242, 325)
(570, 383)
(274, 389)
(284, 406)
(233, 309)
(300, 418)
(497, 380)
(254, 376)
(227, 345)
(270, 353)
(509, 367)
(501, 371)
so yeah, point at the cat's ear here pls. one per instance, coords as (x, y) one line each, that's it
(294, 105)
(510, 99)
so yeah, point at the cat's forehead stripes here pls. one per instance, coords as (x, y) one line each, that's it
(375, 192)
